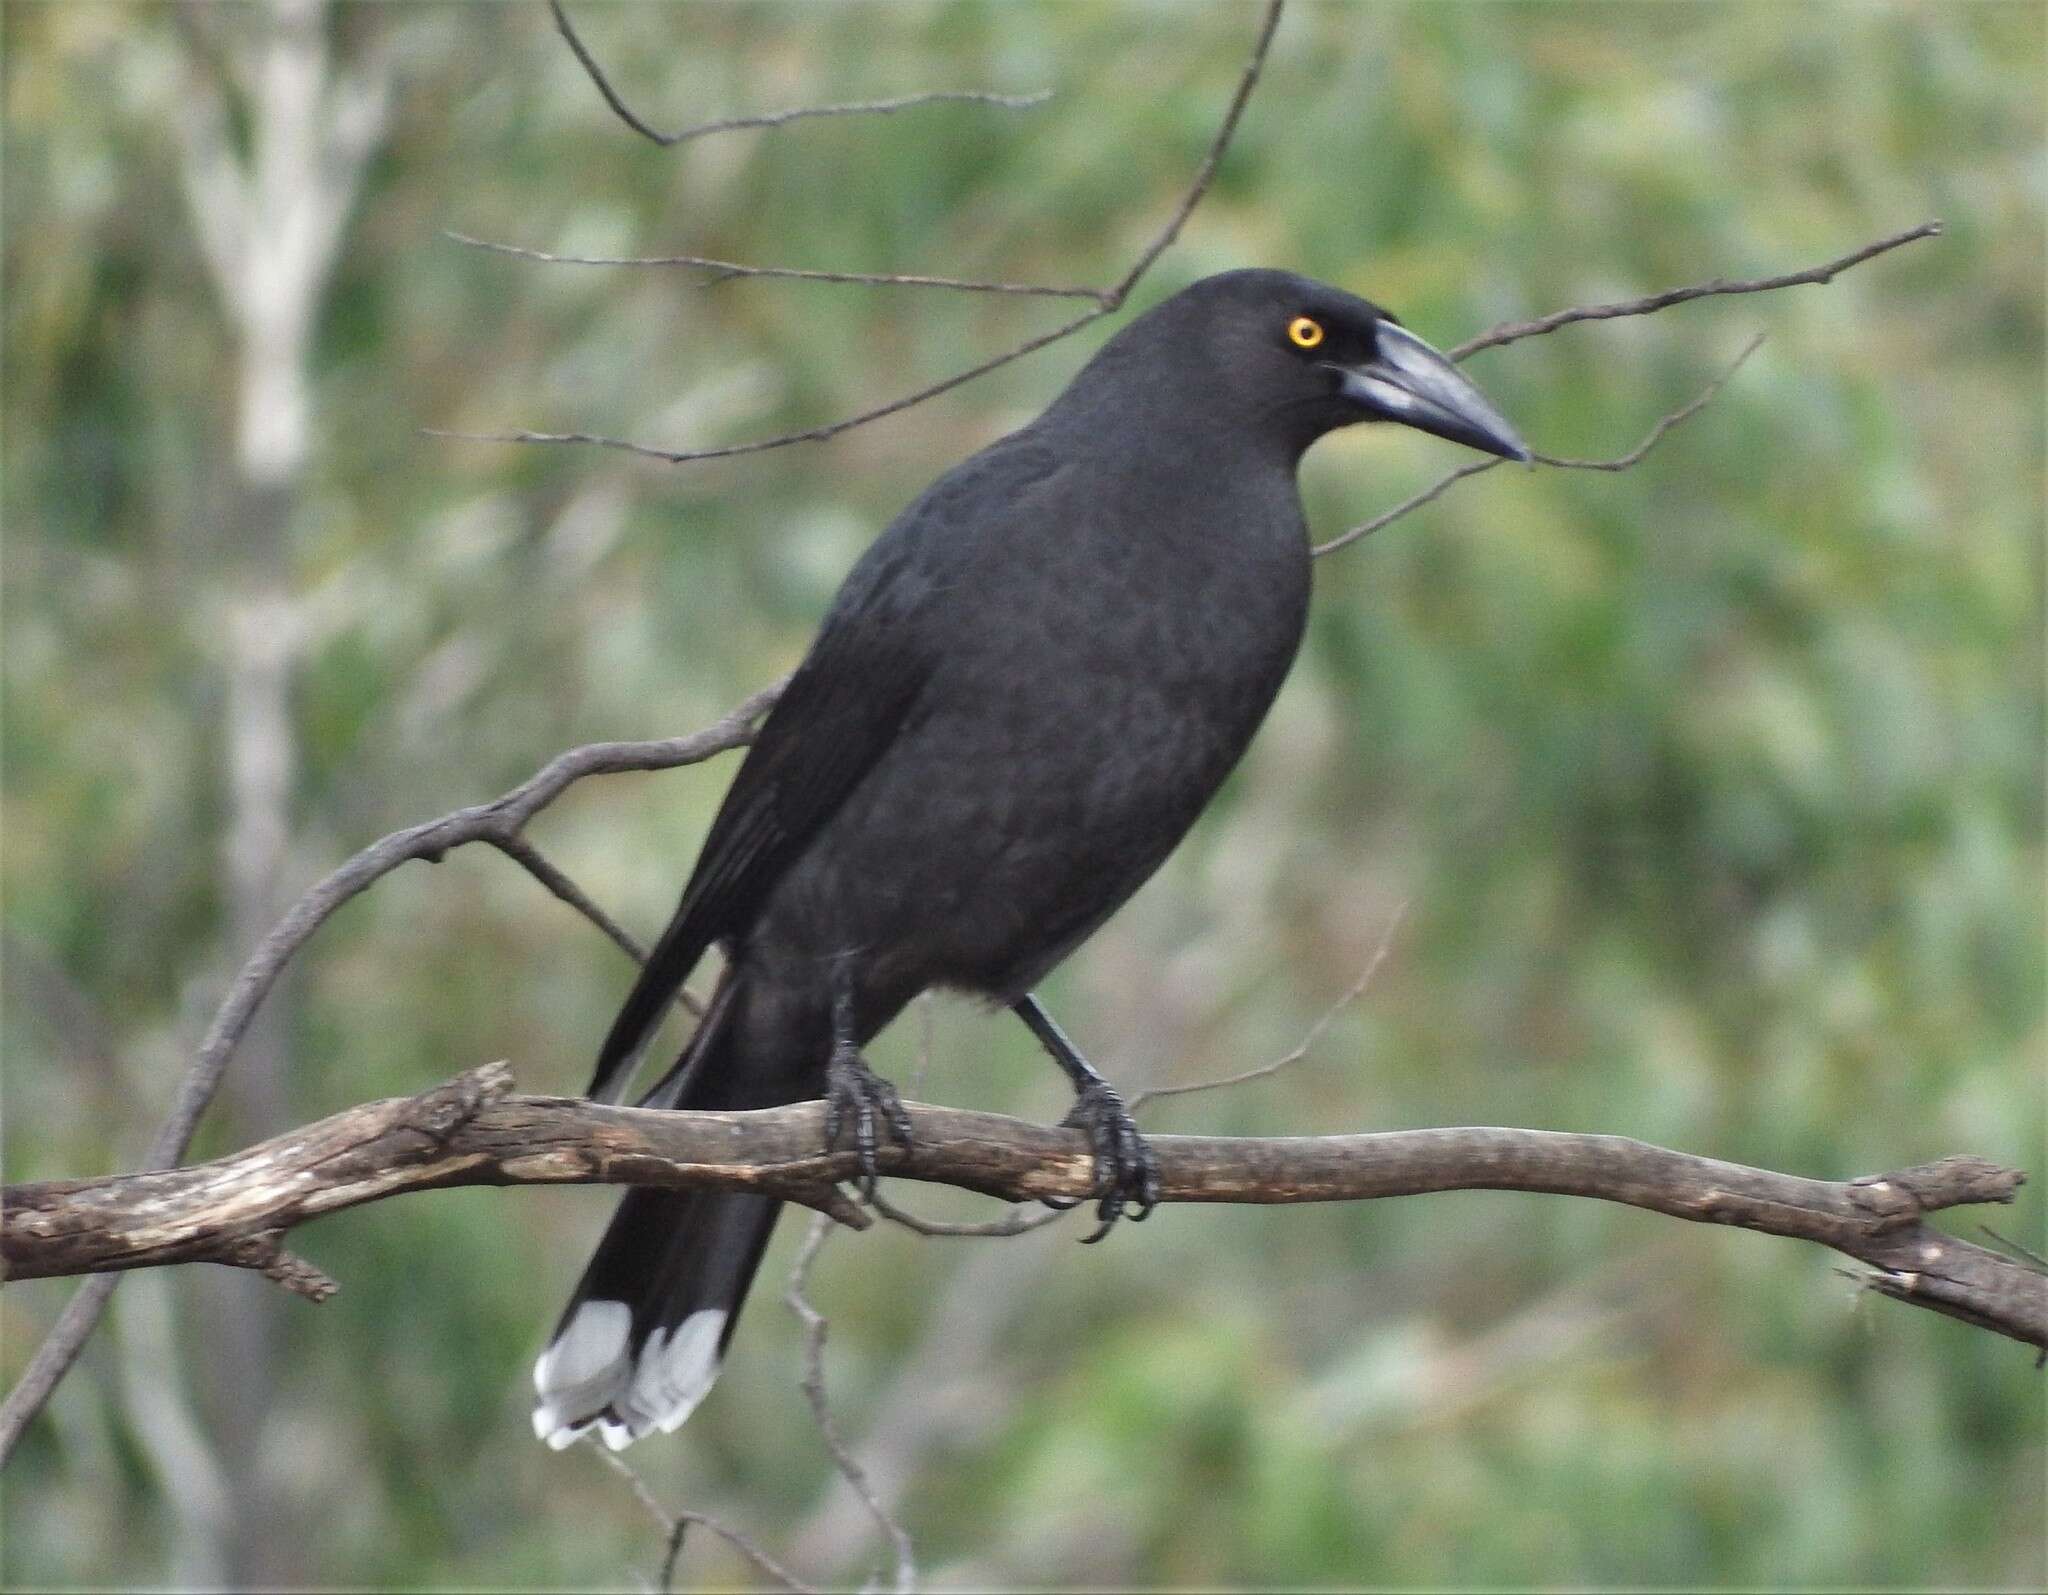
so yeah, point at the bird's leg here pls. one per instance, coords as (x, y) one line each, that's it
(1126, 1176)
(853, 1089)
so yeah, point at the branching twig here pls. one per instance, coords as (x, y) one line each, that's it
(734, 124)
(1111, 299)
(816, 1327)
(816, 434)
(1108, 300)
(471, 1132)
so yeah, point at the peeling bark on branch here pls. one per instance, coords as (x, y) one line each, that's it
(473, 1131)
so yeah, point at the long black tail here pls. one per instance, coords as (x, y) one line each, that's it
(642, 1338)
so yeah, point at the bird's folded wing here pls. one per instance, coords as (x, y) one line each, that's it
(839, 713)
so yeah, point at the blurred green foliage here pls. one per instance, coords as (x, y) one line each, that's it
(1715, 787)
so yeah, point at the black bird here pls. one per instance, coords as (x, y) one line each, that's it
(1024, 693)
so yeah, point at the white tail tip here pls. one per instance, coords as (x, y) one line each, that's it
(588, 1375)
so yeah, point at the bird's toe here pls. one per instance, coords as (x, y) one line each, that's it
(1126, 1173)
(856, 1095)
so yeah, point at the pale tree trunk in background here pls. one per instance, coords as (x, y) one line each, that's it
(269, 216)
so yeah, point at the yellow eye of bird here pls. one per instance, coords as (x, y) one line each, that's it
(1304, 332)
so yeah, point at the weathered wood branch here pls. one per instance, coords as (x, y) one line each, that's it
(474, 1131)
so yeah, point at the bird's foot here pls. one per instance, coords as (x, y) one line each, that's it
(855, 1093)
(1126, 1175)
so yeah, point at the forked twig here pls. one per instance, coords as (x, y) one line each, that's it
(1107, 301)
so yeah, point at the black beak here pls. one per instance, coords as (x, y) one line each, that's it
(1409, 382)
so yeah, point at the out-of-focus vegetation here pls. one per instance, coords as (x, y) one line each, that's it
(1715, 787)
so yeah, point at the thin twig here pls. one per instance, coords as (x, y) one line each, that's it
(1621, 462)
(728, 270)
(1107, 302)
(1020, 1220)
(734, 124)
(1205, 174)
(1310, 1037)
(816, 1326)
(2023, 1253)
(515, 846)
(674, 1524)
(1387, 518)
(535, 863)
(816, 434)
(1513, 331)
(1678, 417)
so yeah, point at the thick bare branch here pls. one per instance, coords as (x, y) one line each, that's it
(473, 1132)
(735, 124)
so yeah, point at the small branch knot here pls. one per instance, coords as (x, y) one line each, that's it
(439, 1113)
(1893, 1201)
(265, 1253)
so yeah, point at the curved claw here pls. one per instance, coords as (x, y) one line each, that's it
(852, 1088)
(1126, 1174)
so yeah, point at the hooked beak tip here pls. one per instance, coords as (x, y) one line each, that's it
(1413, 384)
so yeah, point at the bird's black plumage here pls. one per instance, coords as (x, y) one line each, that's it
(1022, 696)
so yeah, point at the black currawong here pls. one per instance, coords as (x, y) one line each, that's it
(1023, 695)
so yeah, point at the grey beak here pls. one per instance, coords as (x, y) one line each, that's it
(1411, 383)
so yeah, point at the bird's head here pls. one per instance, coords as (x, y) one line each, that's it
(1311, 358)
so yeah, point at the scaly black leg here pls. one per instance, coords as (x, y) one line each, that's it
(852, 1088)
(1126, 1176)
